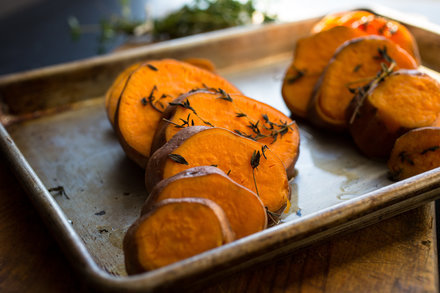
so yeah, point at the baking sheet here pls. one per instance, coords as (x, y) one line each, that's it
(336, 188)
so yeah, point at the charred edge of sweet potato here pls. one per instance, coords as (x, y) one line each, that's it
(157, 161)
(242, 198)
(191, 172)
(131, 249)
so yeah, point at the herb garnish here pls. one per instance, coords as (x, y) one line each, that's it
(357, 67)
(255, 162)
(59, 190)
(186, 104)
(362, 91)
(404, 157)
(292, 78)
(178, 159)
(152, 67)
(430, 149)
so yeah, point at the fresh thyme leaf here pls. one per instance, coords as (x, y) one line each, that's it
(152, 67)
(59, 190)
(144, 101)
(178, 159)
(229, 172)
(240, 115)
(255, 159)
(263, 150)
(430, 149)
(213, 165)
(404, 157)
(299, 73)
(357, 67)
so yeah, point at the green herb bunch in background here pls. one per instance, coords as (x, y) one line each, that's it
(197, 17)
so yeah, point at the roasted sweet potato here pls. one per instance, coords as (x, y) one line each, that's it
(415, 152)
(114, 92)
(242, 207)
(246, 161)
(311, 56)
(372, 25)
(173, 230)
(146, 92)
(354, 65)
(395, 104)
(237, 113)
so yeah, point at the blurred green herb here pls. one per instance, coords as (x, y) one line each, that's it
(198, 17)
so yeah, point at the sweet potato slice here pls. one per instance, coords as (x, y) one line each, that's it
(242, 207)
(114, 92)
(354, 65)
(173, 230)
(373, 25)
(246, 161)
(415, 152)
(147, 92)
(237, 113)
(404, 100)
(312, 55)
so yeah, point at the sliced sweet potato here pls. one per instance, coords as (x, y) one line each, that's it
(415, 152)
(242, 207)
(404, 100)
(237, 113)
(114, 92)
(373, 25)
(246, 161)
(312, 55)
(173, 230)
(354, 65)
(146, 94)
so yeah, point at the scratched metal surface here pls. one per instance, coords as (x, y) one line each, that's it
(104, 191)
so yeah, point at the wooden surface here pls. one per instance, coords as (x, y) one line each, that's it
(396, 255)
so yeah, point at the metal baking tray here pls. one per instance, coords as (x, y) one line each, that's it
(55, 133)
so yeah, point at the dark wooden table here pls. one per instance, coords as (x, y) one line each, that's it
(396, 255)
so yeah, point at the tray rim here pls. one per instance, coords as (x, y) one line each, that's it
(397, 197)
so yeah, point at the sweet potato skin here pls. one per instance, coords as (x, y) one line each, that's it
(327, 94)
(288, 152)
(415, 152)
(375, 132)
(131, 248)
(243, 208)
(276, 201)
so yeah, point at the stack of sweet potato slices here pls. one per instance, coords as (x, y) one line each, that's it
(210, 153)
(357, 72)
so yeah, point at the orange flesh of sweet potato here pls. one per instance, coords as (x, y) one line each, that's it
(236, 113)
(150, 88)
(312, 55)
(114, 92)
(242, 207)
(354, 64)
(415, 152)
(174, 230)
(404, 100)
(372, 25)
(407, 99)
(232, 153)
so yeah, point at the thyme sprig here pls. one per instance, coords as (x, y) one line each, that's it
(152, 100)
(186, 104)
(362, 92)
(255, 162)
(178, 159)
